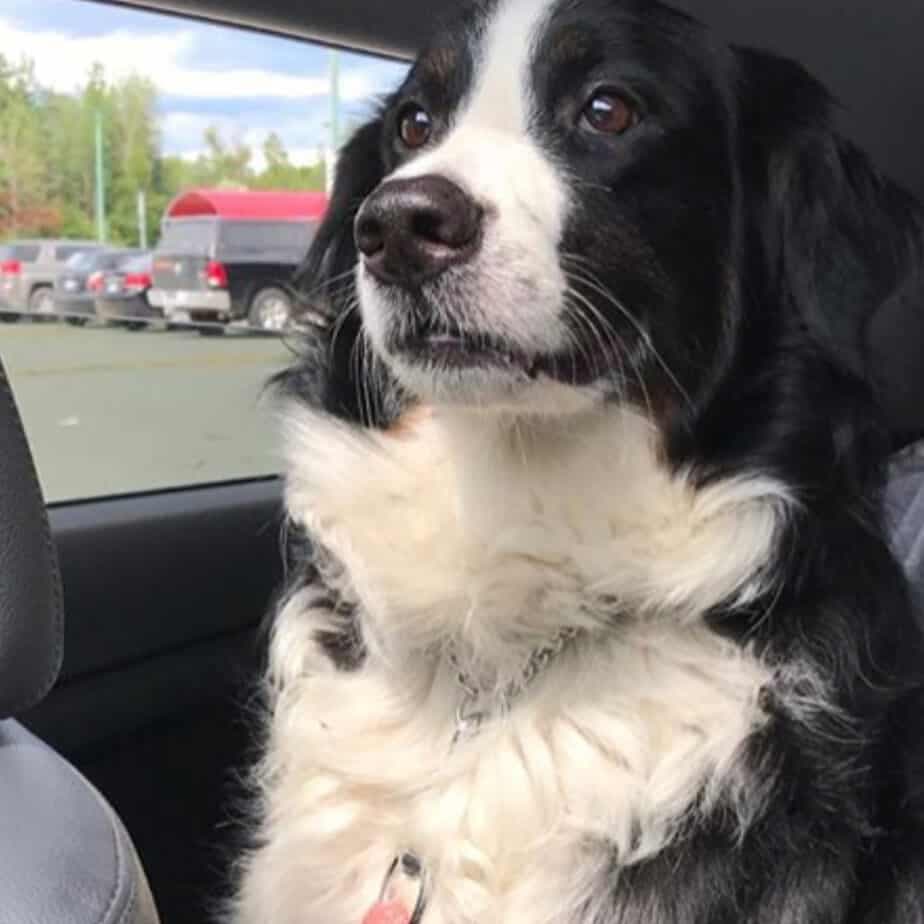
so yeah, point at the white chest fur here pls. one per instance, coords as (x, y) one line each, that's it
(452, 532)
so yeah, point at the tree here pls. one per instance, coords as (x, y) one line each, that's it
(23, 162)
(225, 164)
(275, 154)
(281, 173)
(137, 146)
(48, 149)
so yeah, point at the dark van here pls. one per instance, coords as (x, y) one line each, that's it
(229, 255)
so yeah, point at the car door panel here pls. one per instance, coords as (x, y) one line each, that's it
(164, 597)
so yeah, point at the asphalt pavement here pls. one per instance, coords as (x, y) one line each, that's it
(111, 411)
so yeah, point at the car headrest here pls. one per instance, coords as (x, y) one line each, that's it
(31, 613)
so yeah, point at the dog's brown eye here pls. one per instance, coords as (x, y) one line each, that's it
(609, 113)
(414, 126)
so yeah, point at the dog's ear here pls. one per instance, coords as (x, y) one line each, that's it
(336, 371)
(842, 243)
(332, 256)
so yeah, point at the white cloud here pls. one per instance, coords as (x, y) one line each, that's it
(183, 131)
(182, 134)
(300, 157)
(62, 62)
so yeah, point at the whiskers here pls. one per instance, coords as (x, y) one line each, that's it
(326, 309)
(314, 300)
(579, 275)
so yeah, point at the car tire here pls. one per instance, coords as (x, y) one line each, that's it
(41, 301)
(8, 317)
(271, 309)
(77, 322)
(135, 325)
(211, 330)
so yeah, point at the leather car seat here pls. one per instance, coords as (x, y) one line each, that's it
(65, 858)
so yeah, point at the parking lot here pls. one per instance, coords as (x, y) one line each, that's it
(111, 411)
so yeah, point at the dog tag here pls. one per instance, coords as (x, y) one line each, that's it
(402, 898)
(387, 913)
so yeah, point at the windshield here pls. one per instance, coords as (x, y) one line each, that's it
(115, 259)
(80, 261)
(66, 251)
(137, 264)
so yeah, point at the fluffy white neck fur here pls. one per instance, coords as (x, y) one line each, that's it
(498, 537)
(499, 533)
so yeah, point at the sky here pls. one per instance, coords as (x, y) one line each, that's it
(247, 83)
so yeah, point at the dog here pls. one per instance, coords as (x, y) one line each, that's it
(591, 616)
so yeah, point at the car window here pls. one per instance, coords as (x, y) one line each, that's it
(66, 251)
(188, 236)
(133, 263)
(112, 259)
(258, 237)
(24, 253)
(110, 117)
(81, 260)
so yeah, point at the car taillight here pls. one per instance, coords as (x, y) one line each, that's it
(10, 268)
(95, 281)
(216, 275)
(137, 282)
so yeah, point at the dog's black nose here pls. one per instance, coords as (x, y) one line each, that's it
(411, 230)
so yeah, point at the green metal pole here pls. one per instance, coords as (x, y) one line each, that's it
(100, 182)
(142, 221)
(335, 99)
(334, 125)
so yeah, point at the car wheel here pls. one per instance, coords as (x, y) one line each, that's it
(211, 330)
(271, 309)
(135, 325)
(77, 322)
(8, 317)
(41, 301)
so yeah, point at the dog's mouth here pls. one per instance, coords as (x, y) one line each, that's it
(429, 347)
(439, 347)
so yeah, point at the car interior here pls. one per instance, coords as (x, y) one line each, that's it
(130, 627)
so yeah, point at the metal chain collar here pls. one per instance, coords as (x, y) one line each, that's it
(412, 882)
(469, 718)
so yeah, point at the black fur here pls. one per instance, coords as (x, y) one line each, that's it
(307, 568)
(756, 246)
(337, 371)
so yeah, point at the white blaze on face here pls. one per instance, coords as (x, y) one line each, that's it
(514, 287)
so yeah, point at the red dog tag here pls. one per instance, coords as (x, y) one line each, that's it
(404, 887)
(387, 913)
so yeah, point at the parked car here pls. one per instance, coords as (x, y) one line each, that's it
(229, 255)
(81, 280)
(28, 270)
(123, 295)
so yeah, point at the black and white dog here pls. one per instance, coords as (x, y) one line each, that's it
(594, 620)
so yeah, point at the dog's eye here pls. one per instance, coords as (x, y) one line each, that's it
(414, 125)
(610, 113)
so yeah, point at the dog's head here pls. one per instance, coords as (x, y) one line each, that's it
(575, 201)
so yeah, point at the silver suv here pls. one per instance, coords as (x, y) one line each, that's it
(28, 269)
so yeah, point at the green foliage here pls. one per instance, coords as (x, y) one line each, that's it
(47, 158)
(23, 166)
